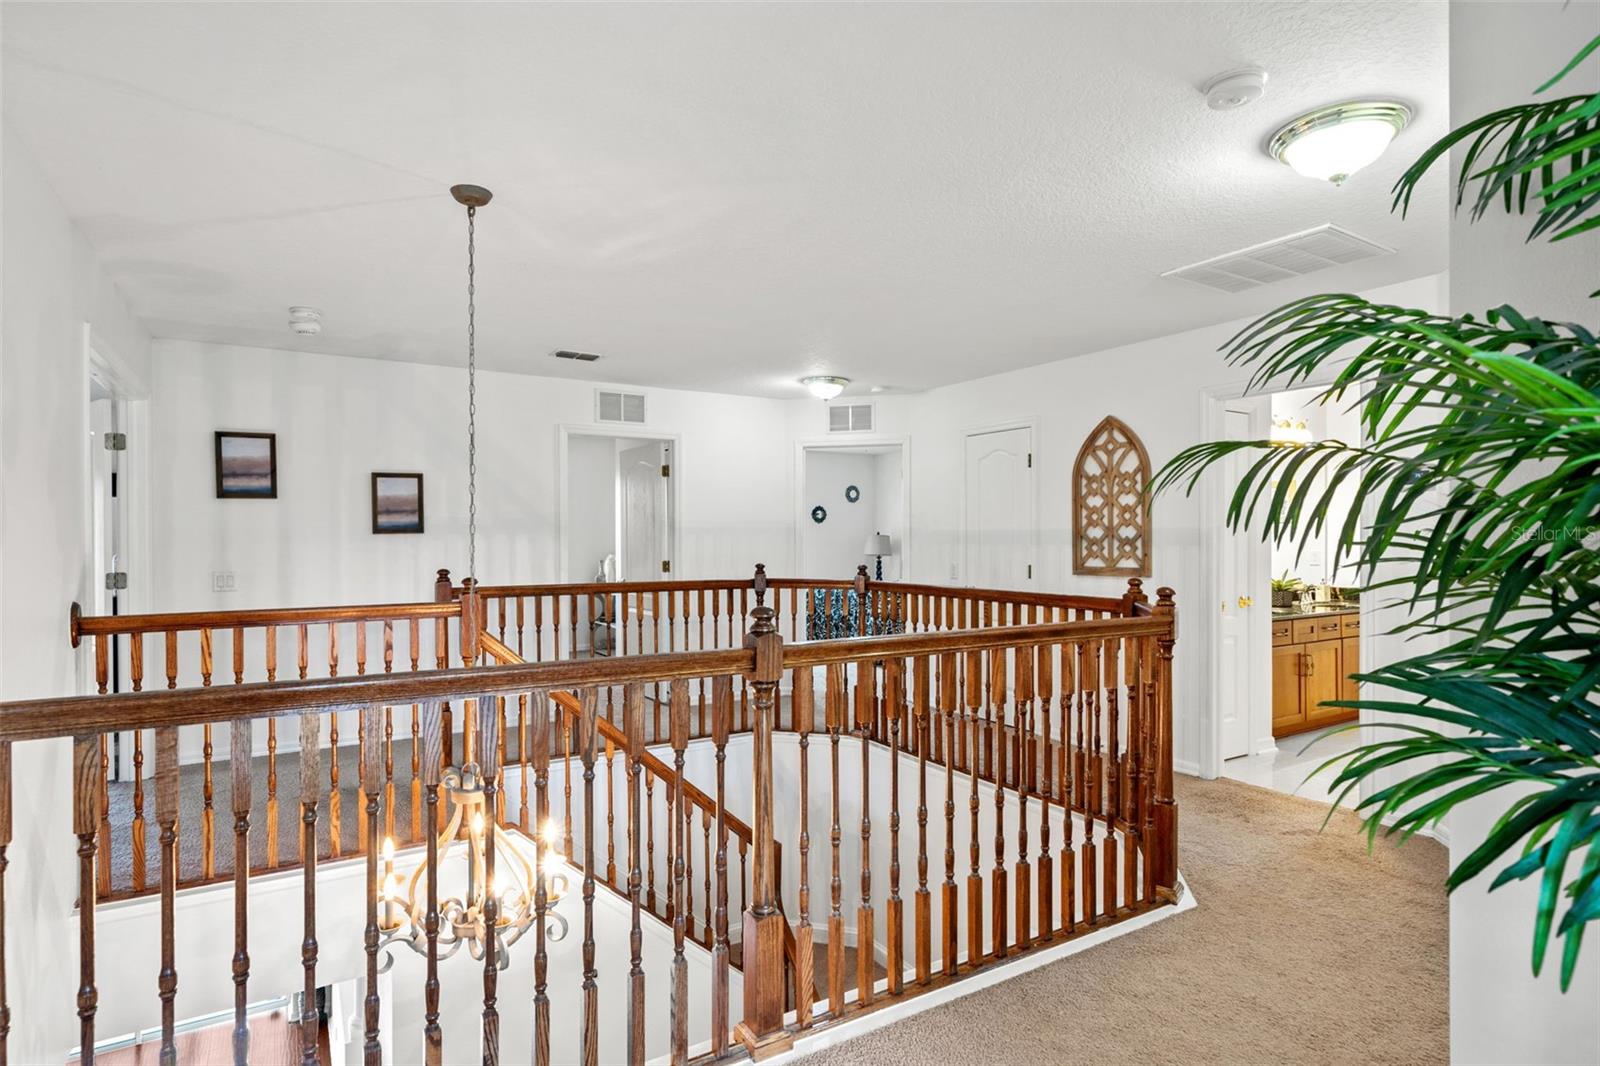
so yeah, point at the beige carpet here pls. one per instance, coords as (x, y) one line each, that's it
(1304, 949)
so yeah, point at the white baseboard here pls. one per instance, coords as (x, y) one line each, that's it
(1186, 766)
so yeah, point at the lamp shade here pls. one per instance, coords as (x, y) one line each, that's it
(878, 544)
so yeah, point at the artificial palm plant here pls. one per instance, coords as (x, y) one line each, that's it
(1481, 464)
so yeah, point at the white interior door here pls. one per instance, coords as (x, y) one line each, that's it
(645, 475)
(1235, 663)
(999, 506)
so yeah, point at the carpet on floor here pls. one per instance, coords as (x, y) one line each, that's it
(1305, 948)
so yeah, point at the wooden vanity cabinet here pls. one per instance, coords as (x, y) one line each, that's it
(1312, 659)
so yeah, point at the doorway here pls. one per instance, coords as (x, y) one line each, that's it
(618, 518)
(848, 495)
(1000, 528)
(1289, 616)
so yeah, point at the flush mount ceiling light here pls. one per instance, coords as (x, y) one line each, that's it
(306, 321)
(824, 387)
(1332, 143)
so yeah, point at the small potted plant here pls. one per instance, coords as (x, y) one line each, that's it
(1285, 589)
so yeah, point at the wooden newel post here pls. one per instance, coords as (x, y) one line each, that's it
(762, 1031)
(1164, 811)
(1134, 596)
(443, 591)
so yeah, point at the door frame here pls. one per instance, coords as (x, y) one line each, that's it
(801, 510)
(1213, 511)
(1031, 424)
(564, 433)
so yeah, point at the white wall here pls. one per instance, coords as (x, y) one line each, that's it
(833, 548)
(1155, 387)
(1499, 1012)
(54, 289)
(338, 419)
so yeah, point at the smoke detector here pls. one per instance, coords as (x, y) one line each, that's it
(1235, 89)
(305, 321)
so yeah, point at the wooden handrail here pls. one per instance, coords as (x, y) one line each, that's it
(570, 705)
(81, 625)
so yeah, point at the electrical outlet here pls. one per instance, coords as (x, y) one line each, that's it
(955, 572)
(223, 581)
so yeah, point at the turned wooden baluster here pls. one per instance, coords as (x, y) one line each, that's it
(208, 832)
(1044, 666)
(834, 697)
(708, 935)
(239, 755)
(566, 786)
(866, 925)
(974, 696)
(540, 701)
(432, 768)
(922, 903)
(5, 844)
(633, 725)
(948, 892)
(721, 714)
(1113, 777)
(1068, 790)
(371, 787)
(803, 719)
(310, 754)
(1022, 721)
(590, 1046)
(611, 807)
(166, 740)
(488, 730)
(650, 836)
(998, 880)
(1089, 780)
(136, 674)
(1164, 810)
(894, 710)
(680, 893)
(85, 824)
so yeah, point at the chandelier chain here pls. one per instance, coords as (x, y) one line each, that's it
(472, 396)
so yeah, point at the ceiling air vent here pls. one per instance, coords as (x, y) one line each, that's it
(1287, 257)
(581, 357)
(849, 417)
(611, 406)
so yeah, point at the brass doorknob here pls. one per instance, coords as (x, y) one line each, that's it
(1246, 601)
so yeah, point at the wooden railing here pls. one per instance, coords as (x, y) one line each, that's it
(1049, 728)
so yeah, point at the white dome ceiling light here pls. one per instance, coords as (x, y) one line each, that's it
(1332, 143)
(824, 387)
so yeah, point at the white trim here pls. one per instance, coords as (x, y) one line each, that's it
(798, 487)
(1212, 399)
(615, 431)
(1031, 424)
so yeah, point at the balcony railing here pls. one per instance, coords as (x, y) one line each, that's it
(1029, 736)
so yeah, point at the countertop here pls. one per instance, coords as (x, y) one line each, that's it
(1289, 613)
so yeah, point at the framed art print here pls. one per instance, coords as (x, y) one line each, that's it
(247, 466)
(396, 503)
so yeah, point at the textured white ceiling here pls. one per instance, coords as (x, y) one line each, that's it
(710, 196)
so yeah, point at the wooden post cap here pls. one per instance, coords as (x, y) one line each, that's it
(759, 583)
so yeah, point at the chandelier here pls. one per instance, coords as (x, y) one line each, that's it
(472, 907)
(515, 886)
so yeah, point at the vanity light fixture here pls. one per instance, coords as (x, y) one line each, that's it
(1332, 143)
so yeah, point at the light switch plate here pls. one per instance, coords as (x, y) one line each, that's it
(223, 581)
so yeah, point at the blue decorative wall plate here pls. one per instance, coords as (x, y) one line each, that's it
(852, 493)
(819, 514)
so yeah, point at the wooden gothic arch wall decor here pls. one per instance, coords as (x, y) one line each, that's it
(1110, 521)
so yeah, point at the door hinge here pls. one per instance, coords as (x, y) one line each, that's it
(666, 566)
(666, 469)
(1030, 571)
(116, 442)
(117, 580)
(1030, 460)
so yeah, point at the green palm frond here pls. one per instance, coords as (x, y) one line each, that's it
(1548, 150)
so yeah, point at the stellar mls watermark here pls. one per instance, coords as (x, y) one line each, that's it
(1589, 536)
